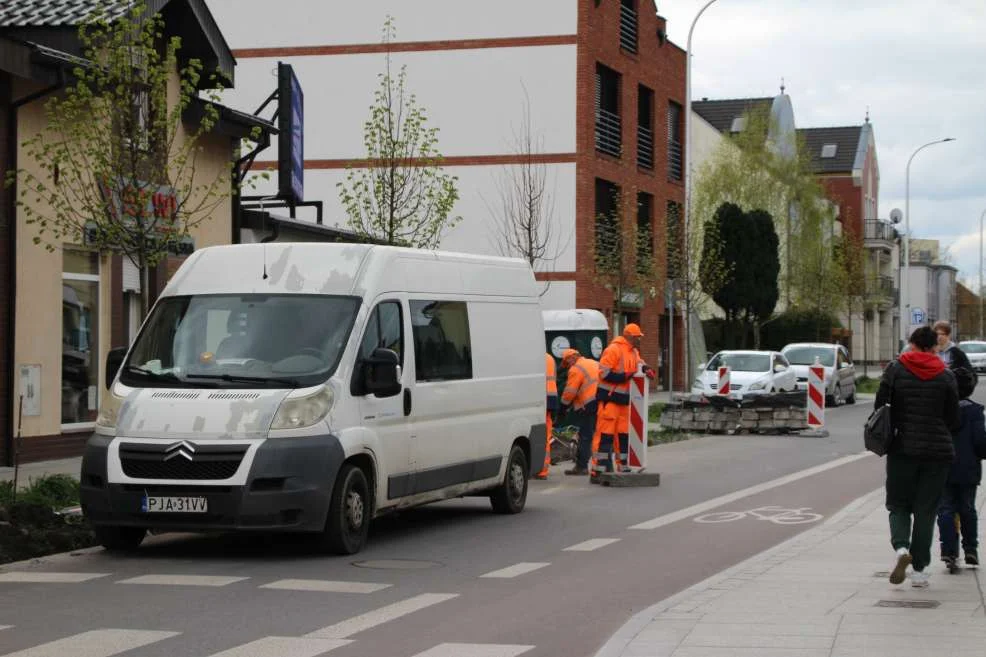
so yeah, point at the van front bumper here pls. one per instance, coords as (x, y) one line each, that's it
(288, 488)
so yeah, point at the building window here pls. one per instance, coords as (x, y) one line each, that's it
(645, 233)
(675, 158)
(674, 245)
(608, 124)
(628, 25)
(80, 336)
(607, 217)
(442, 349)
(645, 127)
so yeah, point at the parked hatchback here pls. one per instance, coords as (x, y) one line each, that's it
(976, 351)
(751, 372)
(840, 373)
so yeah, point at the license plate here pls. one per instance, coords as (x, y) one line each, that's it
(174, 504)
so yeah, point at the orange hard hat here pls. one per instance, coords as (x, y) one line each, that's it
(632, 331)
(570, 354)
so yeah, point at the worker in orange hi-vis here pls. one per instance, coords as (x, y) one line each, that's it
(618, 365)
(580, 394)
(551, 395)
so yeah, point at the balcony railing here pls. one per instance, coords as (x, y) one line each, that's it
(608, 133)
(645, 147)
(674, 161)
(628, 28)
(881, 286)
(879, 230)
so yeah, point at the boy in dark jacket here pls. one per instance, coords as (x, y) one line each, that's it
(959, 495)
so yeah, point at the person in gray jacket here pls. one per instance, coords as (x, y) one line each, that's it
(925, 410)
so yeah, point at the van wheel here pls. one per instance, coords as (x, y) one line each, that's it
(511, 495)
(119, 539)
(348, 520)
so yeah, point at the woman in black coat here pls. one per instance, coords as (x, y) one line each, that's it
(925, 410)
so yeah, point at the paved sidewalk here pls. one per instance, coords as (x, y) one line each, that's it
(824, 593)
(29, 471)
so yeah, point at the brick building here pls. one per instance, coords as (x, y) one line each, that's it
(605, 87)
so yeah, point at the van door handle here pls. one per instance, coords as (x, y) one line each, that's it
(407, 401)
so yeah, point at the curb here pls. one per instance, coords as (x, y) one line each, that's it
(616, 645)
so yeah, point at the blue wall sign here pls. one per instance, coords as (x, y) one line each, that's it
(291, 137)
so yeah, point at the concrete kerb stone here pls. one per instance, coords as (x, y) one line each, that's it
(852, 514)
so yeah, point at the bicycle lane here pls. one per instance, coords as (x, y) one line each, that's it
(573, 606)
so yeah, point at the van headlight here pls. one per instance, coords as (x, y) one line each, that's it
(302, 412)
(109, 411)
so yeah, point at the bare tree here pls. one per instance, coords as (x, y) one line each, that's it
(523, 217)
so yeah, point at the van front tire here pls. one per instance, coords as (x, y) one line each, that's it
(348, 521)
(119, 539)
(511, 495)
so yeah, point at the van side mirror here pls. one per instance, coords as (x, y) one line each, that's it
(114, 359)
(381, 373)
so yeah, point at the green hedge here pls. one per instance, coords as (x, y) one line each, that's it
(794, 326)
(30, 526)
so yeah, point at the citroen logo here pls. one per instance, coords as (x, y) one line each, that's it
(184, 449)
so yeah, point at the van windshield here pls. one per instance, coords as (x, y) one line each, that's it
(241, 341)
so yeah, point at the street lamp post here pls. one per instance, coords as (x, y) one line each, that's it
(688, 194)
(980, 290)
(905, 320)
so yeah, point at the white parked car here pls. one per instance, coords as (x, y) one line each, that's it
(840, 373)
(751, 372)
(976, 351)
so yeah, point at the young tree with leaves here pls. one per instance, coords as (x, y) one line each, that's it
(117, 166)
(401, 195)
(851, 258)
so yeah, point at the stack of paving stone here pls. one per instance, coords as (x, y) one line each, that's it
(773, 413)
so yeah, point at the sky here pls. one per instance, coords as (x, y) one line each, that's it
(920, 68)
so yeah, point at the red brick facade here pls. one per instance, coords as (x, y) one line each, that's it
(660, 67)
(839, 189)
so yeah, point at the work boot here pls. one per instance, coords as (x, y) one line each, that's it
(577, 471)
(972, 558)
(541, 476)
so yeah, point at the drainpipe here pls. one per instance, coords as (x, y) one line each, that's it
(12, 260)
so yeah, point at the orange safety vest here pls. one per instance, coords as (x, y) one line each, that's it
(617, 366)
(582, 385)
(551, 383)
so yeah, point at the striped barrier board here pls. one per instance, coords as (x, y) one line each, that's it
(637, 457)
(816, 396)
(724, 380)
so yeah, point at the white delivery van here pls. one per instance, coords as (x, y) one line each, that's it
(312, 387)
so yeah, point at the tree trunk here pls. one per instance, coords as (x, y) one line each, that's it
(866, 349)
(145, 288)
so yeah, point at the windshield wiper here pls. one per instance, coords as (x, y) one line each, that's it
(158, 376)
(242, 378)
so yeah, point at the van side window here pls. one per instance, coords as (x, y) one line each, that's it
(442, 351)
(384, 330)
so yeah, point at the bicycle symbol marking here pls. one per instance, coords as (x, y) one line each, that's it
(775, 514)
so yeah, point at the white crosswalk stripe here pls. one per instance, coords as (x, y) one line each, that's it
(516, 570)
(370, 619)
(283, 646)
(475, 650)
(48, 577)
(182, 580)
(95, 643)
(325, 586)
(591, 544)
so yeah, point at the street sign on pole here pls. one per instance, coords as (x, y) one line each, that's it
(918, 316)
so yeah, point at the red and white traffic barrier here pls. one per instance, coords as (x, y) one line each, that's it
(816, 397)
(723, 388)
(637, 456)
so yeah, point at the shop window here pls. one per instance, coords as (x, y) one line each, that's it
(80, 337)
(442, 349)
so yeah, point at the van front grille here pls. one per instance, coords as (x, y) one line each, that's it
(182, 460)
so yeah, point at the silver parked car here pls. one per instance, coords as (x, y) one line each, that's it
(976, 351)
(840, 373)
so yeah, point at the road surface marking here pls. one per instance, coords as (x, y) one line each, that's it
(182, 580)
(5, 627)
(49, 578)
(515, 570)
(590, 545)
(357, 624)
(283, 646)
(775, 514)
(708, 505)
(95, 643)
(475, 650)
(325, 586)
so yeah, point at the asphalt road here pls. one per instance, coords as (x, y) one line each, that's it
(451, 573)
